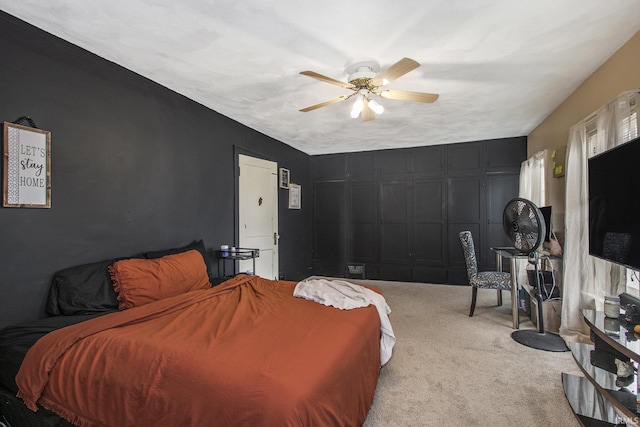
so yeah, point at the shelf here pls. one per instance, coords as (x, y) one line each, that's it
(601, 396)
(614, 332)
(620, 395)
(240, 254)
(590, 407)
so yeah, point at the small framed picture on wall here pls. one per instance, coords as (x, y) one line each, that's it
(26, 167)
(295, 193)
(284, 178)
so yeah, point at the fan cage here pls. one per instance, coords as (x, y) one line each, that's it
(524, 225)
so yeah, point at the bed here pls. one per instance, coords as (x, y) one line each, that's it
(244, 352)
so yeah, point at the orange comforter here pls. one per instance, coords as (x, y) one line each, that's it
(243, 353)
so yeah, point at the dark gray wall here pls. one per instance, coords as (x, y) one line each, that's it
(135, 167)
(398, 212)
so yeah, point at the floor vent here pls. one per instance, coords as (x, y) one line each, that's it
(355, 271)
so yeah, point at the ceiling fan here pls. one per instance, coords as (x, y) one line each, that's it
(366, 79)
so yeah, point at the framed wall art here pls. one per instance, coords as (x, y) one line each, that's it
(26, 167)
(295, 194)
(284, 178)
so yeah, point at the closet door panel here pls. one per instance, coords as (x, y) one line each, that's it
(329, 241)
(394, 222)
(363, 237)
(361, 165)
(467, 211)
(466, 159)
(428, 243)
(429, 221)
(465, 199)
(428, 161)
(364, 221)
(506, 154)
(330, 167)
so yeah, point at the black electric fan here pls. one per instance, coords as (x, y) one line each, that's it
(524, 225)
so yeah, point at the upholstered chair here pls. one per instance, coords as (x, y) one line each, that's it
(485, 279)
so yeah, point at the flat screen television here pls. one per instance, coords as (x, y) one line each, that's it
(614, 204)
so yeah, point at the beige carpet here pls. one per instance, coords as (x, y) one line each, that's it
(449, 369)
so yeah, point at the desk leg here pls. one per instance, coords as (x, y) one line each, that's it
(515, 295)
(499, 268)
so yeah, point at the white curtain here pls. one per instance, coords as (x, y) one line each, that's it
(532, 179)
(586, 280)
(532, 187)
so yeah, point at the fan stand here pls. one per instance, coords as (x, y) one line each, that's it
(539, 339)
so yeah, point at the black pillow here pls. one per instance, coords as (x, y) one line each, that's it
(83, 289)
(198, 246)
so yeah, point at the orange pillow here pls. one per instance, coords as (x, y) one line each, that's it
(141, 281)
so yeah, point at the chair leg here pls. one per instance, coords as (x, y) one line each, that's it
(474, 294)
(499, 296)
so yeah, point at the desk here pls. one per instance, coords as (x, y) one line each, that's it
(512, 254)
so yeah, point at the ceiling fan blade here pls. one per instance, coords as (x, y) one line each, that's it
(320, 77)
(325, 103)
(409, 96)
(398, 69)
(367, 112)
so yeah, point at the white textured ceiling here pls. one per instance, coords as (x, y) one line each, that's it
(500, 66)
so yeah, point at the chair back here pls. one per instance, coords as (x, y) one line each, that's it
(469, 251)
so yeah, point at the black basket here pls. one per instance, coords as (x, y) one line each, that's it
(546, 279)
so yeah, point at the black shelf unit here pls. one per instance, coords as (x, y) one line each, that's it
(237, 254)
(613, 339)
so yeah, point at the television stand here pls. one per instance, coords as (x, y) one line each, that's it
(601, 397)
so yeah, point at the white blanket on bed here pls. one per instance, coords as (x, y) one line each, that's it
(346, 296)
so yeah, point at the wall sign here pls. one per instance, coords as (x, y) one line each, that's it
(295, 194)
(26, 167)
(284, 178)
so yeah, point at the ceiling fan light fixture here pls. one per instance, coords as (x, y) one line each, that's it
(361, 73)
(377, 108)
(365, 79)
(357, 107)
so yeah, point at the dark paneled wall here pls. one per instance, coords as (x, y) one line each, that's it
(135, 167)
(399, 212)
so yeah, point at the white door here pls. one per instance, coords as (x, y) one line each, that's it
(258, 214)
